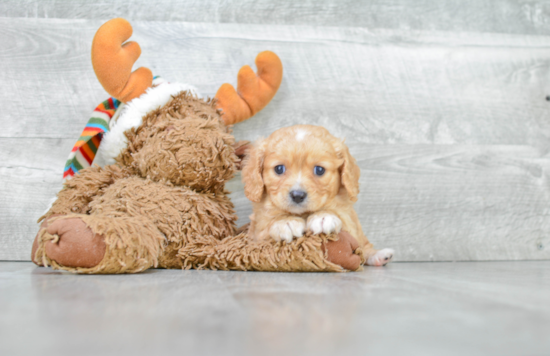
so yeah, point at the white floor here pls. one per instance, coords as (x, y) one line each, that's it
(477, 308)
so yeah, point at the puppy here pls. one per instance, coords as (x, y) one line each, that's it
(303, 178)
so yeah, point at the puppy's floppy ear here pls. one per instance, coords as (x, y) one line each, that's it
(349, 171)
(252, 172)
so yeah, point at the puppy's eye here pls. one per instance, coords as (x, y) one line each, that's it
(280, 169)
(318, 170)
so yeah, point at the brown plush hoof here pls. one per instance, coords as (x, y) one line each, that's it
(34, 249)
(43, 226)
(77, 245)
(340, 252)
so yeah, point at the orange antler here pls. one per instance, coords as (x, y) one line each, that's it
(254, 92)
(113, 59)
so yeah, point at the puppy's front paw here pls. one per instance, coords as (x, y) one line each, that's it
(324, 222)
(381, 258)
(287, 229)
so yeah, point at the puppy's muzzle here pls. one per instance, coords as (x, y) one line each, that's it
(298, 196)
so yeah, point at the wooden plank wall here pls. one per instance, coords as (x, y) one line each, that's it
(442, 102)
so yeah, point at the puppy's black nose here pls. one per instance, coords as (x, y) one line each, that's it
(298, 196)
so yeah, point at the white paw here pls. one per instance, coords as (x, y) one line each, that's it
(381, 258)
(324, 222)
(287, 229)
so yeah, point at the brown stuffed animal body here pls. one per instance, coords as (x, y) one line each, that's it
(159, 199)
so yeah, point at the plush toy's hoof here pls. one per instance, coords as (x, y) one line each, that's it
(341, 251)
(33, 252)
(76, 244)
(97, 244)
(35, 244)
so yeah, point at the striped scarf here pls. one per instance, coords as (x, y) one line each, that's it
(84, 151)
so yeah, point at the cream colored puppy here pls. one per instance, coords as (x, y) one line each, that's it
(303, 178)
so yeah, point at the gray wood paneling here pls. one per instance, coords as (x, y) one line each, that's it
(383, 86)
(29, 178)
(501, 16)
(450, 128)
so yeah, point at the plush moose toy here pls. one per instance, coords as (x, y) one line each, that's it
(157, 197)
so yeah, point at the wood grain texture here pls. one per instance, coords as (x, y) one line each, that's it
(432, 309)
(29, 178)
(380, 86)
(500, 16)
(450, 129)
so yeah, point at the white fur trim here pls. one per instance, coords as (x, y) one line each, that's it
(130, 115)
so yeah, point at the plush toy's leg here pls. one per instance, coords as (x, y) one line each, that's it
(180, 214)
(99, 244)
(76, 196)
(78, 192)
(143, 224)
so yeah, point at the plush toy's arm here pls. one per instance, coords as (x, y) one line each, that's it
(253, 92)
(310, 253)
(344, 251)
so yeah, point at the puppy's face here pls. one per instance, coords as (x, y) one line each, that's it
(301, 169)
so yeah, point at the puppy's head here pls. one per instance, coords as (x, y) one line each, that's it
(301, 169)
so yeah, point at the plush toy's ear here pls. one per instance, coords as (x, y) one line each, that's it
(252, 172)
(113, 59)
(241, 148)
(254, 92)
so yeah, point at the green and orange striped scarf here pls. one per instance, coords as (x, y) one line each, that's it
(83, 153)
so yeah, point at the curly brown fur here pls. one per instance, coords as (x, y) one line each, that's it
(244, 252)
(179, 213)
(184, 142)
(168, 184)
(132, 244)
(77, 194)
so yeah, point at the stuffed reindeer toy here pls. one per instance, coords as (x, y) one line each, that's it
(145, 184)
